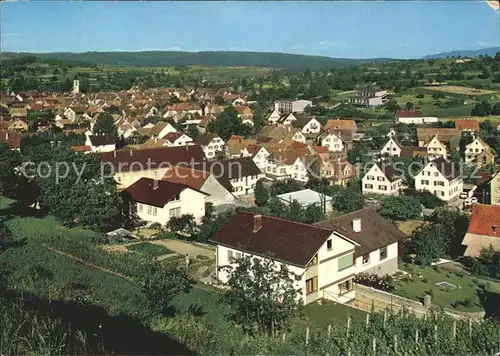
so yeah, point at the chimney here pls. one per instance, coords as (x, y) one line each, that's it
(257, 223)
(156, 139)
(356, 224)
(494, 228)
(155, 184)
(7, 135)
(131, 153)
(114, 153)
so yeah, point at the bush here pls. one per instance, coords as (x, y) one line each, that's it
(429, 292)
(420, 95)
(155, 226)
(385, 283)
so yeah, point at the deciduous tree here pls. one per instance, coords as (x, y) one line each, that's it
(264, 295)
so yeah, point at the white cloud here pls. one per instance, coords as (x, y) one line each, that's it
(331, 44)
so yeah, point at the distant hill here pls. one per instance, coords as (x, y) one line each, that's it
(212, 58)
(472, 53)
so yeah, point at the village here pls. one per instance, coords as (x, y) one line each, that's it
(254, 203)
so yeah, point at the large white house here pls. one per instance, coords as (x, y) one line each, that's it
(391, 148)
(332, 140)
(286, 165)
(436, 148)
(157, 201)
(242, 173)
(441, 179)
(475, 149)
(100, 143)
(211, 144)
(382, 178)
(325, 257)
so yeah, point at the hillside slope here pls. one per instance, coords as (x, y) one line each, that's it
(216, 58)
(472, 53)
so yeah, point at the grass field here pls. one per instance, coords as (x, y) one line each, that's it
(149, 250)
(466, 297)
(408, 226)
(455, 89)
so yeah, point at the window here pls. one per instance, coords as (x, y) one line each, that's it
(383, 253)
(366, 259)
(229, 254)
(314, 261)
(139, 207)
(312, 285)
(329, 245)
(175, 212)
(382, 187)
(346, 261)
(238, 254)
(436, 174)
(345, 287)
(369, 186)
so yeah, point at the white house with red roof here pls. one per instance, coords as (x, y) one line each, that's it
(484, 229)
(157, 201)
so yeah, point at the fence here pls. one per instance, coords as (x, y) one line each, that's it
(371, 299)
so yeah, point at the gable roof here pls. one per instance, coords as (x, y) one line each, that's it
(376, 232)
(467, 125)
(443, 134)
(193, 178)
(278, 239)
(445, 168)
(390, 173)
(341, 124)
(483, 218)
(101, 140)
(205, 138)
(143, 191)
(173, 136)
(126, 160)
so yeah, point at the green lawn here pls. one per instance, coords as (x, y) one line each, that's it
(464, 298)
(323, 314)
(148, 249)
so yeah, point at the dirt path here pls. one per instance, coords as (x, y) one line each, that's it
(183, 248)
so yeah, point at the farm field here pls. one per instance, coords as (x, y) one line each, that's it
(455, 89)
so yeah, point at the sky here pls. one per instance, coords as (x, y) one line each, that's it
(368, 29)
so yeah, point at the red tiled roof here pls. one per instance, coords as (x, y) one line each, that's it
(483, 220)
(81, 148)
(236, 138)
(408, 113)
(11, 138)
(467, 125)
(340, 124)
(172, 136)
(320, 149)
(282, 240)
(36, 106)
(143, 191)
(242, 109)
(126, 160)
(193, 178)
